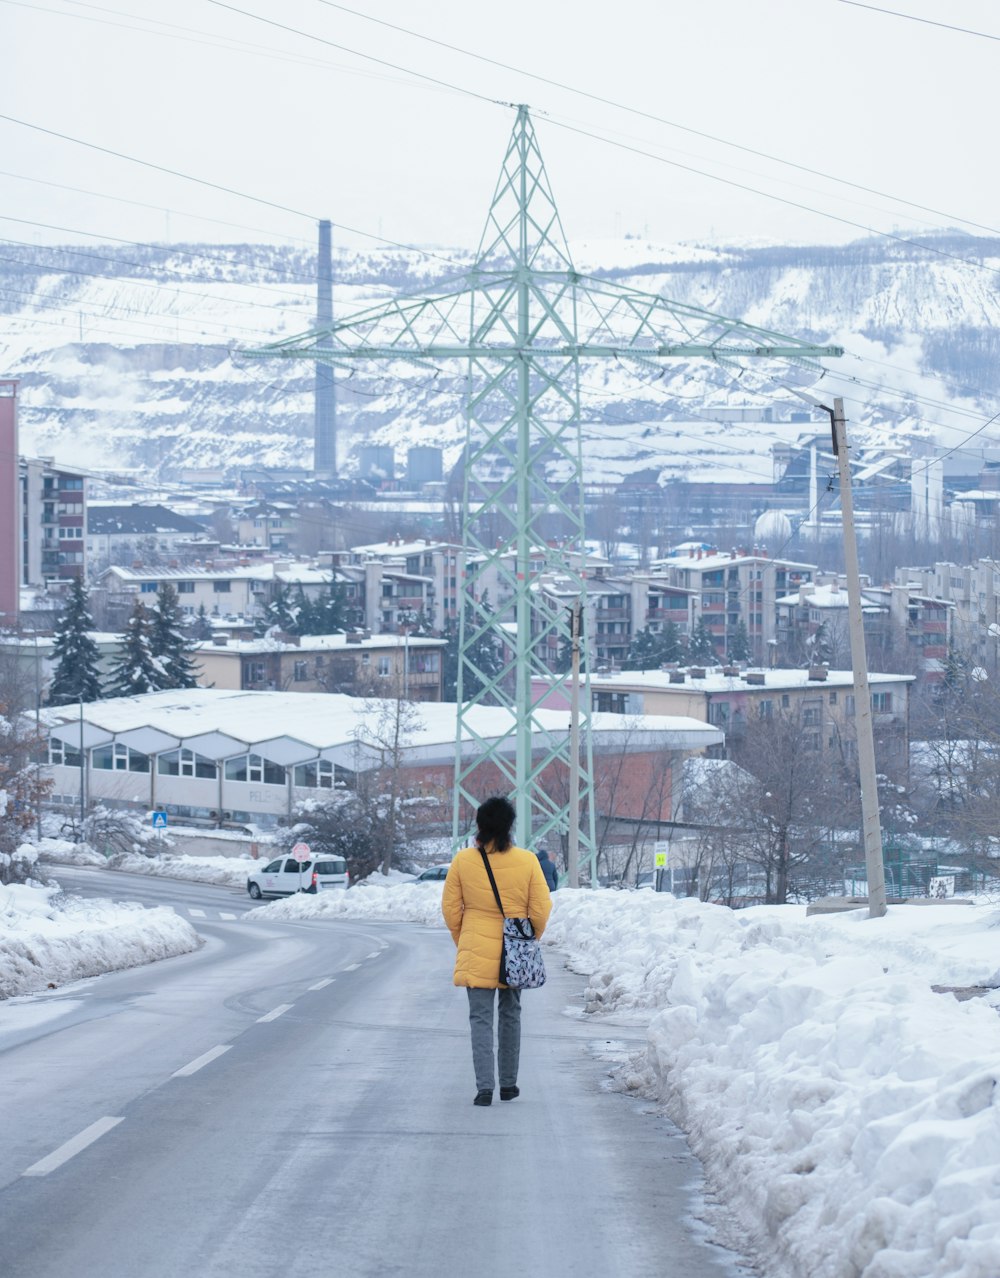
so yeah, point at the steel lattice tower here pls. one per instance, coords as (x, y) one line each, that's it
(520, 320)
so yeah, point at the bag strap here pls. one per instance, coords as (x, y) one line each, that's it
(493, 882)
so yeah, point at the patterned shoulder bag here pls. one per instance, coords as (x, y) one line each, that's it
(521, 963)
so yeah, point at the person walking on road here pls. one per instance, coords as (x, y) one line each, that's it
(476, 925)
(548, 869)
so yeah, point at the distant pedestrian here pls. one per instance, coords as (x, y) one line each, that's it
(476, 925)
(548, 869)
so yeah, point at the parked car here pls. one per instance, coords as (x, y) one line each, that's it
(433, 874)
(286, 876)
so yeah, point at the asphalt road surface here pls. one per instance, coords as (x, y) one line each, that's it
(296, 1099)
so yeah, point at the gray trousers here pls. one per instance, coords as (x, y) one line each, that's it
(508, 1033)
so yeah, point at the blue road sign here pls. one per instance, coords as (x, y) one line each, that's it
(159, 820)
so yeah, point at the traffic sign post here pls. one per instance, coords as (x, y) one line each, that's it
(159, 820)
(301, 853)
(661, 860)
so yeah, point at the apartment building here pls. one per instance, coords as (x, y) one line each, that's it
(730, 699)
(53, 521)
(359, 664)
(736, 587)
(425, 573)
(116, 530)
(973, 591)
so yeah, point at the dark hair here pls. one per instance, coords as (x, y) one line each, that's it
(494, 822)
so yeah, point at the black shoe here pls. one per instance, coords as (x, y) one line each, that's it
(484, 1098)
(509, 1093)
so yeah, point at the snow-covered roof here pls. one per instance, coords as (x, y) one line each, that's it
(290, 728)
(136, 519)
(827, 596)
(710, 562)
(716, 681)
(319, 643)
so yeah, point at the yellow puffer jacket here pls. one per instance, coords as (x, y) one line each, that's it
(470, 909)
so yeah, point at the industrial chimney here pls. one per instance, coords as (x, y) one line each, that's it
(325, 427)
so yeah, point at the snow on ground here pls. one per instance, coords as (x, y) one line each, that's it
(49, 939)
(399, 902)
(229, 871)
(847, 1112)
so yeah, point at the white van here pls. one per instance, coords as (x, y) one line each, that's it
(286, 876)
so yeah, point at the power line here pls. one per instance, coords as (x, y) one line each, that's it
(658, 119)
(217, 186)
(308, 35)
(780, 199)
(912, 17)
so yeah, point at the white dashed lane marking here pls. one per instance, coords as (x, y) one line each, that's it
(320, 985)
(352, 967)
(227, 916)
(79, 1142)
(196, 914)
(373, 955)
(275, 1012)
(206, 1058)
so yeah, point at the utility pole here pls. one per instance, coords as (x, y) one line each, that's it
(573, 816)
(859, 659)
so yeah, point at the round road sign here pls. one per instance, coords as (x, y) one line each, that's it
(301, 852)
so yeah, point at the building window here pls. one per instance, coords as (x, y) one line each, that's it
(784, 701)
(833, 696)
(253, 672)
(254, 769)
(882, 702)
(718, 713)
(812, 713)
(185, 587)
(119, 758)
(62, 753)
(849, 703)
(383, 667)
(765, 709)
(222, 587)
(185, 763)
(301, 671)
(318, 775)
(148, 588)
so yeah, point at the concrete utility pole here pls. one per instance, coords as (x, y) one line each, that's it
(859, 660)
(573, 837)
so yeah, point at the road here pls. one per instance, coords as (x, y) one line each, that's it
(295, 1099)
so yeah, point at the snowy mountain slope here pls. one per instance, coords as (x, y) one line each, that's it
(129, 356)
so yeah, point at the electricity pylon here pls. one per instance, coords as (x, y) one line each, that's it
(520, 320)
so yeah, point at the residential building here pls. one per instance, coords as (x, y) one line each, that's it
(53, 519)
(437, 563)
(729, 699)
(359, 664)
(10, 526)
(732, 588)
(116, 531)
(973, 590)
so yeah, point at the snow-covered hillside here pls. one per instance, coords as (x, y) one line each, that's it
(128, 356)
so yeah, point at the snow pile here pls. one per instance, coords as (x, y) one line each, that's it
(848, 1113)
(48, 939)
(66, 852)
(395, 878)
(228, 871)
(402, 903)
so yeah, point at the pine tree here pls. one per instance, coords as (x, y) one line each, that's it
(644, 651)
(701, 647)
(169, 646)
(137, 670)
(75, 653)
(484, 654)
(671, 643)
(739, 644)
(202, 625)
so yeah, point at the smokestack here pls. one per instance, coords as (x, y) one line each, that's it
(325, 426)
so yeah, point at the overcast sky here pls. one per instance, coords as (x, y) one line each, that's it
(885, 102)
